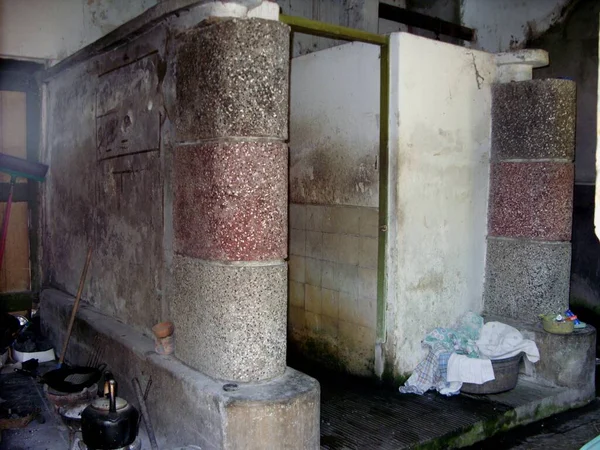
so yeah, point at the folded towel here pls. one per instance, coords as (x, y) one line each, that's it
(500, 341)
(469, 370)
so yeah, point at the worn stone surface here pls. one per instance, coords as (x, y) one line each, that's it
(389, 421)
(186, 406)
(232, 80)
(231, 201)
(525, 278)
(533, 119)
(292, 423)
(128, 239)
(533, 200)
(566, 360)
(128, 109)
(112, 200)
(570, 430)
(232, 318)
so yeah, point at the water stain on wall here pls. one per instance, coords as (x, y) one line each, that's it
(329, 175)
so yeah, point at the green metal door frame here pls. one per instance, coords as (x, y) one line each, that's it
(321, 29)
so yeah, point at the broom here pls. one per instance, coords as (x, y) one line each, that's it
(16, 168)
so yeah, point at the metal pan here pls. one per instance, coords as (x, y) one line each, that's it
(70, 379)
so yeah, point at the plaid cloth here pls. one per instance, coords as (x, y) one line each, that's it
(431, 373)
(443, 365)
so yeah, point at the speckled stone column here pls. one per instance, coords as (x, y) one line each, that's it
(229, 300)
(531, 199)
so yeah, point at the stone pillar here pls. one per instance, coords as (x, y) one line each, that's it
(531, 196)
(229, 300)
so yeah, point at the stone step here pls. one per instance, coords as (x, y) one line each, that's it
(565, 360)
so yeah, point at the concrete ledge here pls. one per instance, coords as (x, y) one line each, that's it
(186, 406)
(565, 360)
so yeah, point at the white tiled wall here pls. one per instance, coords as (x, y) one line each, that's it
(333, 281)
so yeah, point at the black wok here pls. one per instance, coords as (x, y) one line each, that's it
(70, 379)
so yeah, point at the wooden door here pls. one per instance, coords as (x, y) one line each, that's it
(15, 275)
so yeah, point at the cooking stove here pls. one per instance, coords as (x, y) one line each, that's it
(70, 406)
(79, 445)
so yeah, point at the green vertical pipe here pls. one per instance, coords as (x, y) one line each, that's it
(384, 108)
(316, 28)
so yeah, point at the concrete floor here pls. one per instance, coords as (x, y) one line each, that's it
(352, 417)
(566, 431)
(358, 416)
(23, 394)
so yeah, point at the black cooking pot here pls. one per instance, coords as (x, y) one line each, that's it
(109, 422)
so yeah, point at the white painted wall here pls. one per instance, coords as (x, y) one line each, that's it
(54, 29)
(440, 144)
(440, 129)
(505, 24)
(334, 126)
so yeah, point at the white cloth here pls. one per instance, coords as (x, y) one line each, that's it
(451, 389)
(500, 341)
(463, 369)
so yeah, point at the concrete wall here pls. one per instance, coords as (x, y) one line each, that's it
(573, 50)
(440, 142)
(505, 24)
(334, 145)
(105, 138)
(359, 14)
(334, 129)
(53, 30)
(440, 128)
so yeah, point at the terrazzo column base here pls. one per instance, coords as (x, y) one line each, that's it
(525, 278)
(230, 318)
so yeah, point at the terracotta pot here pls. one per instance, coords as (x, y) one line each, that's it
(164, 346)
(163, 329)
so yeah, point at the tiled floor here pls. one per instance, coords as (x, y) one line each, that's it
(23, 394)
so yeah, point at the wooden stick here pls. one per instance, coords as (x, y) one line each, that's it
(145, 415)
(75, 306)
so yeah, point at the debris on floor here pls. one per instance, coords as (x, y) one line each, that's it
(40, 428)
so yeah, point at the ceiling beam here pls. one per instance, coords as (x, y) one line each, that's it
(418, 20)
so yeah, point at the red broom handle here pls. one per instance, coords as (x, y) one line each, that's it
(5, 220)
